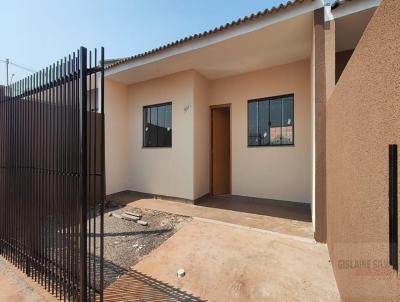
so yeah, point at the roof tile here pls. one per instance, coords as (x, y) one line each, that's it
(209, 32)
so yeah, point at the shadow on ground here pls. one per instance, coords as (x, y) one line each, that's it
(134, 286)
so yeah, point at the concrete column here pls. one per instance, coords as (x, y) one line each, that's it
(324, 35)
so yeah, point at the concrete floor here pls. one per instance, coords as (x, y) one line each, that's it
(285, 226)
(15, 286)
(268, 207)
(230, 263)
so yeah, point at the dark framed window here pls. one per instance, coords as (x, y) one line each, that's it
(271, 121)
(157, 125)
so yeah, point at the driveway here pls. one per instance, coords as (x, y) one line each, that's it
(233, 263)
(274, 224)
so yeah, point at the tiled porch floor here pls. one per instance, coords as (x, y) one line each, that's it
(268, 207)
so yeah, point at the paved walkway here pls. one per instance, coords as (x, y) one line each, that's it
(279, 225)
(268, 207)
(15, 286)
(230, 263)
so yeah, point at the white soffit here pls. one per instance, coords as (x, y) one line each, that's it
(279, 44)
(352, 7)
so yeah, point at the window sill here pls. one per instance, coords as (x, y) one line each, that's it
(258, 146)
(169, 147)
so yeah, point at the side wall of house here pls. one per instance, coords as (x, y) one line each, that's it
(162, 171)
(116, 135)
(363, 118)
(284, 172)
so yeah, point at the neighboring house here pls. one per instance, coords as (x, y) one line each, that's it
(242, 110)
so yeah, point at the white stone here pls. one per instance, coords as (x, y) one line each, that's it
(133, 214)
(129, 217)
(181, 273)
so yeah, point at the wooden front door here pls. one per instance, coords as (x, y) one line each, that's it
(221, 151)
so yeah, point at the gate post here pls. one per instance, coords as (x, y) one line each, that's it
(83, 170)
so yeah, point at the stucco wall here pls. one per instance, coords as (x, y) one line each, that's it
(283, 172)
(341, 59)
(312, 155)
(363, 118)
(324, 76)
(162, 171)
(116, 135)
(201, 137)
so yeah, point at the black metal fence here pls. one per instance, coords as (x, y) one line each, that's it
(52, 182)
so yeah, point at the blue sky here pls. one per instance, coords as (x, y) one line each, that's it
(35, 33)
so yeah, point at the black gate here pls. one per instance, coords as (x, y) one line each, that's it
(52, 182)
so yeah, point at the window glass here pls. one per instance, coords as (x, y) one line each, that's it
(253, 124)
(157, 120)
(92, 100)
(276, 121)
(161, 125)
(168, 125)
(263, 122)
(287, 120)
(271, 121)
(148, 128)
(153, 127)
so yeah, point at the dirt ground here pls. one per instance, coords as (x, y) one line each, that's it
(16, 287)
(236, 264)
(127, 242)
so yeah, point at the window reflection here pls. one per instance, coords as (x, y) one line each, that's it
(271, 121)
(157, 125)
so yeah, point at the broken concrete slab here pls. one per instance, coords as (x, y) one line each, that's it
(129, 217)
(263, 222)
(133, 214)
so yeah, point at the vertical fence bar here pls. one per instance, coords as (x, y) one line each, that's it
(89, 178)
(83, 170)
(95, 175)
(103, 179)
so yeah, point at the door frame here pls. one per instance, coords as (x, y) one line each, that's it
(213, 107)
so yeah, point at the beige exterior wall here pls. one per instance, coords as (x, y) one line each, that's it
(162, 171)
(312, 96)
(116, 136)
(284, 172)
(201, 137)
(324, 76)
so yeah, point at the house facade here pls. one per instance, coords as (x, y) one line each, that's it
(243, 109)
(236, 110)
